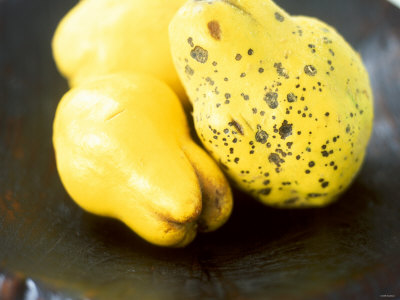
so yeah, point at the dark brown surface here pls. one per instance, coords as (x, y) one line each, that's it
(51, 249)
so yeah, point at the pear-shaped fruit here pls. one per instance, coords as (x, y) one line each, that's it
(98, 37)
(283, 102)
(123, 150)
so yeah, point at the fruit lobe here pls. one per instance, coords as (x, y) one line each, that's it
(123, 150)
(98, 37)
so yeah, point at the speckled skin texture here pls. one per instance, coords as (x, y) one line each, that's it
(283, 103)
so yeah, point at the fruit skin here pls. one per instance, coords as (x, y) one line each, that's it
(98, 37)
(123, 150)
(282, 102)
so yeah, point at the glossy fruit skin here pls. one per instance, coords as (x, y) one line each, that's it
(123, 150)
(282, 102)
(98, 37)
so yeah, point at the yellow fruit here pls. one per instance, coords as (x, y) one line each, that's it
(283, 102)
(98, 37)
(123, 150)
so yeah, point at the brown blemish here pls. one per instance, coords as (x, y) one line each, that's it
(214, 29)
(274, 158)
(238, 127)
(285, 130)
(199, 54)
(115, 114)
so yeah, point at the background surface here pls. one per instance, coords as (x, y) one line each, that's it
(51, 249)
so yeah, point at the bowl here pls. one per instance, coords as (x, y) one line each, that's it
(52, 249)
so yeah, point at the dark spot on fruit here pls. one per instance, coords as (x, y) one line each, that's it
(190, 42)
(311, 164)
(310, 70)
(260, 70)
(272, 99)
(298, 157)
(291, 97)
(275, 158)
(308, 171)
(214, 29)
(261, 135)
(348, 129)
(327, 114)
(199, 54)
(250, 52)
(238, 57)
(285, 130)
(279, 17)
(265, 192)
(325, 184)
(325, 153)
(236, 160)
(266, 182)
(243, 75)
(227, 96)
(291, 201)
(281, 71)
(238, 127)
(189, 70)
(315, 195)
(245, 97)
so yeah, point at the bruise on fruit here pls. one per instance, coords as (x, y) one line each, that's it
(199, 54)
(214, 29)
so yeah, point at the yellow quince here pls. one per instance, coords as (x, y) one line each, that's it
(123, 150)
(283, 102)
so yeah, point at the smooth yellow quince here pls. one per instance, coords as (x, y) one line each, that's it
(123, 150)
(283, 102)
(98, 37)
